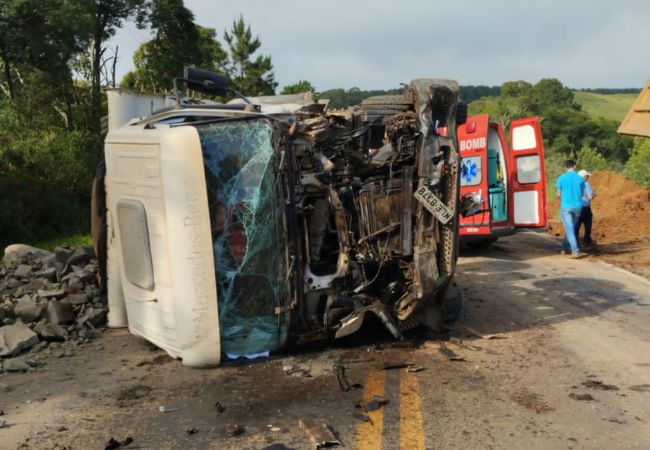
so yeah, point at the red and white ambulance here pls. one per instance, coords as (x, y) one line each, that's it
(505, 186)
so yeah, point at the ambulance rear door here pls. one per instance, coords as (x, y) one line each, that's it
(527, 191)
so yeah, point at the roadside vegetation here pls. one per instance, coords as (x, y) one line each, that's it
(55, 65)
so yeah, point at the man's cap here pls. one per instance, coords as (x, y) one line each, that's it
(583, 173)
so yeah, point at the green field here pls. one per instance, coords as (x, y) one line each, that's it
(608, 106)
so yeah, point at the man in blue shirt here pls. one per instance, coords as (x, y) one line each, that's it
(586, 216)
(570, 189)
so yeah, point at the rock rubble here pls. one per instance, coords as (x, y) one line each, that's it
(49, 304)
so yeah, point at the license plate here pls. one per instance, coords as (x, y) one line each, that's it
(433, 204)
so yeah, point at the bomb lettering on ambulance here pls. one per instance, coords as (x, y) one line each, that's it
(473, 144)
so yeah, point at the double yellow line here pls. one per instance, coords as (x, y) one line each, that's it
(368, 435)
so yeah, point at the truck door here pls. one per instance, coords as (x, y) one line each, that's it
(527, 174)
(472, 144)
(160, 240)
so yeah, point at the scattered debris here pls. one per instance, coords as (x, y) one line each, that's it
(167, 409)
(277, 447)
(115, 444)
(462, 328)
(450, 354)
(596, 384)
(585, 397)
(373, 405)
(459, 342)
(219, 407)
(233, 430)
(343, 381)
(320, 434)
(414, 369)
(191, 430)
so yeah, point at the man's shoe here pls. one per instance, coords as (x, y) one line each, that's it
(576, 255)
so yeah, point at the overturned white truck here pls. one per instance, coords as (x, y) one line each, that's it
(245, 227)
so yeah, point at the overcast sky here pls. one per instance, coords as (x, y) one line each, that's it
(379, 44)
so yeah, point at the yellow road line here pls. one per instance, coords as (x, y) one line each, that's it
(368, 434)
(411, 432)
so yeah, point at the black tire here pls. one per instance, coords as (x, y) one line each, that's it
(452, 307)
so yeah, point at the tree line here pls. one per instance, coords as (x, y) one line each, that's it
(56, 62)
(568, 131)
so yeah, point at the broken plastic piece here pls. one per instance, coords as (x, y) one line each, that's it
(167, 409)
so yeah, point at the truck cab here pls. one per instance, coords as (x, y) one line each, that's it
(505, 183)
(242, 228)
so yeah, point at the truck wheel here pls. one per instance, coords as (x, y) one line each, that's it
(439, 316)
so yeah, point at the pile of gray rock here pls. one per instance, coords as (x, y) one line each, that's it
(48, 301)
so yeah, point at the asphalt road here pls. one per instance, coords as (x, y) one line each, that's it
(551, 353)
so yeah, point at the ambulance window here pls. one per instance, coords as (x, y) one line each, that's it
(523, 138)
(471, 171)
(528, 169)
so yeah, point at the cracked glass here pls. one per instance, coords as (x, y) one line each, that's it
(247, 233)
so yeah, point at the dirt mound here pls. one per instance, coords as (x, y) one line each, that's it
(621, 209)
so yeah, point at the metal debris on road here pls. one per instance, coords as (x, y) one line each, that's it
(462, 328)
(344, 384)
(319, 433)
(450, 354)
(459, 342)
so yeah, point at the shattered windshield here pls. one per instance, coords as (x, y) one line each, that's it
(245, 217)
